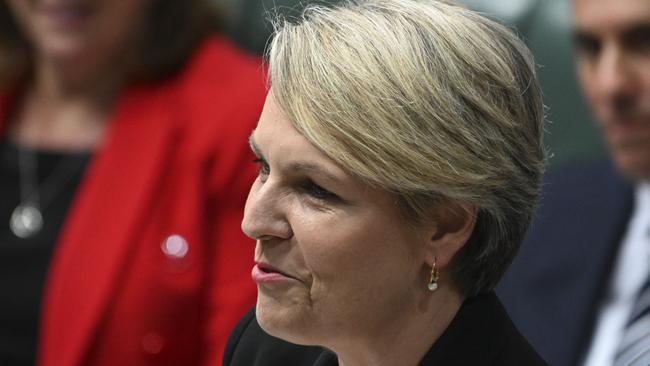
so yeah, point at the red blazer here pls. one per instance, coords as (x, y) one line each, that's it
(175, 161)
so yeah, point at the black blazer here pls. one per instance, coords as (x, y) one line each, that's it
(480, 334)
(554, 286)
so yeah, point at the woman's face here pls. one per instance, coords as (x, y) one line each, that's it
(334, 258)
(79, 31)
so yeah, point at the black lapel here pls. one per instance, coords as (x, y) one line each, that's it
(327, 358)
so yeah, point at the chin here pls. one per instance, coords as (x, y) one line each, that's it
(70, 49)
(63, 50)
(287, 322)
(635, 165)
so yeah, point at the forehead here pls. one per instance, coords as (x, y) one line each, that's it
(610, 16)
(276, 130)
(279, 141)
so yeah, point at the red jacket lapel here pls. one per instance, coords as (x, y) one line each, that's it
(94, 244)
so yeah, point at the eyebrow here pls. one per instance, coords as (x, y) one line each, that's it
(634, 29)
(309, 168)
(298, 166)
(638, 30)
(579, 35)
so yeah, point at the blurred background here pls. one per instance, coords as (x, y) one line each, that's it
(543, 24)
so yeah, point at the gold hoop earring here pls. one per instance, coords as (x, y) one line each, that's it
(433, 282)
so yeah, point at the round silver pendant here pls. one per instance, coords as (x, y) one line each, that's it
(26, 221)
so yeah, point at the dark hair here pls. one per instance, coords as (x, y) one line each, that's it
(173, 30)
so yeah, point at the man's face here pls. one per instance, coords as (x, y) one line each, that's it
(613, 44)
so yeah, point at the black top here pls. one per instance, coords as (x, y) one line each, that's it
(24, 262)
(481, 333)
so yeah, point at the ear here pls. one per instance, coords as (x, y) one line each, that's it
(453, 226)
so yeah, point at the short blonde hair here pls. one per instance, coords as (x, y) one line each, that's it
(425, 99)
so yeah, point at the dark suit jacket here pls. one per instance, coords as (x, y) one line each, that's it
(553, 288)
(480, 334)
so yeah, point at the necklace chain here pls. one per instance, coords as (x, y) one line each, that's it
(27, 218)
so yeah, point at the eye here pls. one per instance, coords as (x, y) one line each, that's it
(263, 169)
(587, 46)
(639, 39)
(318, 192)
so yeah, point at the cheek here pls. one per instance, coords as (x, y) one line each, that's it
(120, 21)
(586, 76)
(361, 279)
(23, 13)
(592, 92)
(19, 7)
(357, 263)
(645, 79)
(128, 14)
(114, 25)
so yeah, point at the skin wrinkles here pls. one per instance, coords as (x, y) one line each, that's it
(299, 168)
(362, 269)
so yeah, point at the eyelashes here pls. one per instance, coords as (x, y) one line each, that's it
(263, 169)
(318, 192)
(306, 186)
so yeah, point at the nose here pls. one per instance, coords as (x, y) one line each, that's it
(615, 74)
(265, 213)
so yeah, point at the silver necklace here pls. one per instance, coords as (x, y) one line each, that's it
(27, 218)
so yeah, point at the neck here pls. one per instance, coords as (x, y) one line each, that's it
(65, 83)
(407, 338)
(64, 109)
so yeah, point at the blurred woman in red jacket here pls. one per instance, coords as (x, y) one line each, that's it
(123, 173)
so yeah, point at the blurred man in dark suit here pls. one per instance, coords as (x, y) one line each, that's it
(580, 289)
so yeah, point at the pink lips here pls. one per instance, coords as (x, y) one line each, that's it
(263, 273)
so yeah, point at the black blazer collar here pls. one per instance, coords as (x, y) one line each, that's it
(478, 335)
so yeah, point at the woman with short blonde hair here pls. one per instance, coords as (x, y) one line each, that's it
(400, 154)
